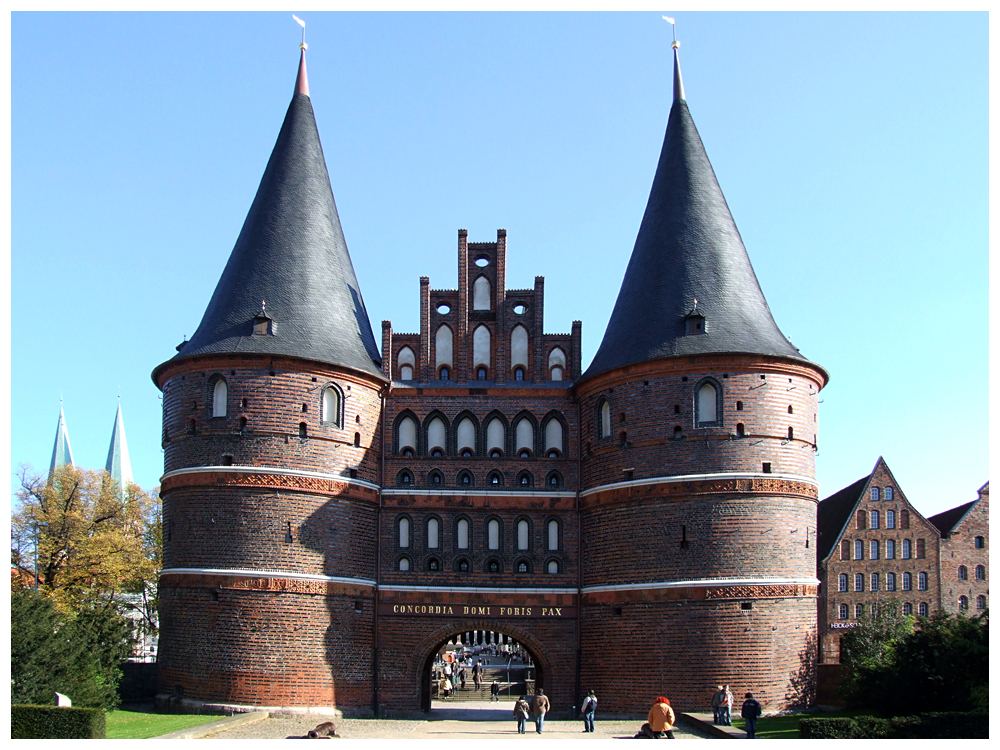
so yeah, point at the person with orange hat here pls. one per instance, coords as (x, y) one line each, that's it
(659, 722)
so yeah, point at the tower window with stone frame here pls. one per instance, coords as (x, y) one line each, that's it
(331, 406)
(708, 403)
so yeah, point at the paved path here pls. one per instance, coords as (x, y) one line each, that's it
(475, 720)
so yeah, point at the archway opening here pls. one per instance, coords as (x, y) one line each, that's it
(479, 673)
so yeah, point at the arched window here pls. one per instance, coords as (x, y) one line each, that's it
(980, 602)
(874, 549)
(904, 519)
(907, 549)
(553, 480)
(493, 566)
(553, 569)
(922, 581)
(522, 534)
(442, 347)
(481, 373)
(404, 563)
(890, 581)
(466, 437)
(843, 582)
(890, 519)
(980, 573)
(519, 373)
(557, 363)
(220, 398)
(553, 535)
(963, 603)
(524, 479)
(403, 529)
(437, 437)
(845, 549)
(553, 438)
(435, 479)
(519, 349)
(907, 582)
(890, 549)
(791, 434)
(922, 609)
(887, 493)
(462, 533)
(465, 479)
(874, 582)
(874, 519)
(678, 432)
(907, 609)
(875, 494)
(481, 294)
(980, 542)
(859, 550)
(963, 573)
(524, 434)
(859, 611)
(494, 480)
(790, 411)
(433, 527)
(741, 430)
(463, 566)
(405, 478)
(606, 419)
(495, 438)
(862, 519)
(406, 361)
(406, 436)
(481, 347)
(493, 534)
(707, 400)
(331, 406)
(843, 612)
(859, 581)
(523, 566)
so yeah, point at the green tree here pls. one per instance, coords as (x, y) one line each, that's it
(79, 656)
(869, 651)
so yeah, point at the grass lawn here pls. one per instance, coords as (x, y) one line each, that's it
(786, 726)
(137, 725)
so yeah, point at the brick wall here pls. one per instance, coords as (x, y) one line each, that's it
(959, 549)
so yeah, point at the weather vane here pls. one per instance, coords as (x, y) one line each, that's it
(673, 27)
(301, 23)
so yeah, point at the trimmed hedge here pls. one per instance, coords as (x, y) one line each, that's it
(54, 723)
(946, 725)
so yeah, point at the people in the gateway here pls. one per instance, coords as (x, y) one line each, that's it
(444, 687)
(727, 707)
(477, 675)
(587, 712)
(461, 676)
(717, 698)
(750, 712)
(539, 706)
(660, 721)
(521, 710)
(495, 692)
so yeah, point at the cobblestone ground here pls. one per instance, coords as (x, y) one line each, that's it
(444, 728)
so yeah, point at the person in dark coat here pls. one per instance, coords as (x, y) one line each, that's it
(751, 710)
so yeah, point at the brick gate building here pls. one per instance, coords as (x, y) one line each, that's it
(335, 511)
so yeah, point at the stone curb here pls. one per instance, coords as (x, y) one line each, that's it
(220, 725)
(705, 723)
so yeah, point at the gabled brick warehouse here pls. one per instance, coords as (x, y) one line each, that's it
(334, 514)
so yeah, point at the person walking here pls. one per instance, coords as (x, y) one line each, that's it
(750, 711)
(477, 677)
(659, 722)
(495, 692)
(727, 706)
(717, 697)
(521, 710)
(589, 707)
(539, 706)
(461, 676)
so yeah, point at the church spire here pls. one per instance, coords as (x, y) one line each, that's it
(61, 452)
(292, 253)
(688, 248)
(118, 464)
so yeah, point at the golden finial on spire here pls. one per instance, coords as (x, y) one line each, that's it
(301, 23)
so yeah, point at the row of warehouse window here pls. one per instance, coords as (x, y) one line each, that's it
(493, 535)
(873, 519)
(330, 404)
(886, 493)
(922, 609)
(466, 480)
(876, 548)
(433, 564)
(466, 439)
(889, 581)
(482, 356)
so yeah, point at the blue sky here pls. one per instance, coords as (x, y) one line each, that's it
(852, 149)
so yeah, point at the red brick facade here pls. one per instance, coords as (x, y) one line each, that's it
(965, 560)
(287, 581)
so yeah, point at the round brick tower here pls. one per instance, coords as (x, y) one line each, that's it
(271, 415)
(698, 499)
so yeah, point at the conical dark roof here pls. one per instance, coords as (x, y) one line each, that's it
(291, 254)
(688, 249)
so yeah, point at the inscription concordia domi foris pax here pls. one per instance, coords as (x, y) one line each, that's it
(474, 610)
